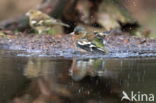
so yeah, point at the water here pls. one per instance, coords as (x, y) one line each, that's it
(59, 80)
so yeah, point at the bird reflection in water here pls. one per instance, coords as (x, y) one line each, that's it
(70, 81)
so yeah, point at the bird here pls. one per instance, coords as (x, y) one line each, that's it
(42, 22)
(89, 41)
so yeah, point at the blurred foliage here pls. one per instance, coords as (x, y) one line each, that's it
(136, 7)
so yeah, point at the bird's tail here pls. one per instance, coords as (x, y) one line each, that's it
(61, 23)
(66, 25)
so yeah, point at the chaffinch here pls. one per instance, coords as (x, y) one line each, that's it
(41, 22)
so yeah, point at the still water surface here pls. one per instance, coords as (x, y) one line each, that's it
(59, 80)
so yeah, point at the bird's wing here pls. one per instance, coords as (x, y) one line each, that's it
(83, 42)
(52, 22)
(98, 43)
(47, 22)
(90, 46)
(59, 22)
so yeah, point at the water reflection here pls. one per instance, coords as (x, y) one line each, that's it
(47, 80)
(12, 82)
(90, 67)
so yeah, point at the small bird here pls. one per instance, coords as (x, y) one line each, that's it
(89, 41)
(41, 22)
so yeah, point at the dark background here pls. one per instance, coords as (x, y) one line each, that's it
(143, 10)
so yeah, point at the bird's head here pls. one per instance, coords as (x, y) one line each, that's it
(79, 30)
(33, 13)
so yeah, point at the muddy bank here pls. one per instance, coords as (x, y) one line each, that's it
(64, 46)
